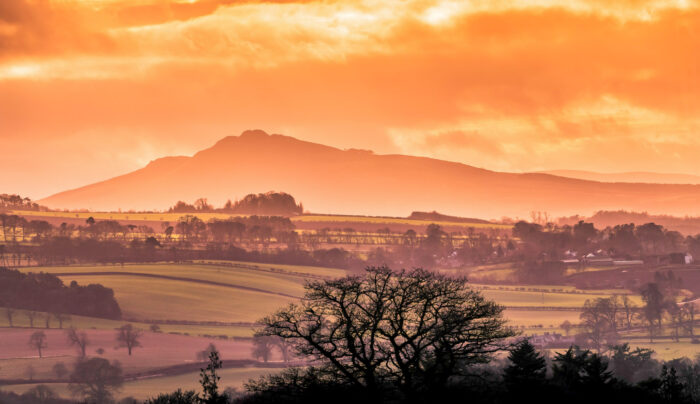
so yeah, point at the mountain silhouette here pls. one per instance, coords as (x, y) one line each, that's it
(331, 180)
(632, 176)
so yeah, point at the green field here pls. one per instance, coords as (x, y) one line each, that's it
(144, 298)
(145, 388)
(187, 300)
(239, 295)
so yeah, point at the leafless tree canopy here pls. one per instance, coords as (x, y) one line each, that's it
(77, 339)
(408, 328)
(128, 337)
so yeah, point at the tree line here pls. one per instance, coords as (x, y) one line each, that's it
(42, 292)
(419, 337)
(270, 204)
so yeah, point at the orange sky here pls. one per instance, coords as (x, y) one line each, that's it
(90, 89)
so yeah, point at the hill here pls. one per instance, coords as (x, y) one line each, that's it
(633, 177)
(327, 179)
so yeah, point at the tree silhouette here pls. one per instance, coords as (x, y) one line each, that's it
(38, 341)
(210, 381)
(78, 339)
(527, 367)
(128, 337)
(414, 329)
(96, 379)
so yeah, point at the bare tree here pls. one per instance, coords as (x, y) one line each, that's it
(676, 316)
(128, 337)
(206, 353)
(262, 346)
(31, 315)
(61, 318)
(29, 372)
(38, 341)
(596, 319)
(60, 370)
(96, 380)
(285, 348)
(628, 308)
(689, 313)
(9, 313)
(40, 394)
(78, 339)
(566, 326)
(410, 328)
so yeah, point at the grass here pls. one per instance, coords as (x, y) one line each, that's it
(279, 283)
(282, 268)
(151, 217)
(546, 299)
(173, 217)
(549, 320)
(165, 299)
(146, 388)
(393, 220)
(157, 299)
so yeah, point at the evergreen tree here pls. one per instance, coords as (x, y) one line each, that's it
(527, 365)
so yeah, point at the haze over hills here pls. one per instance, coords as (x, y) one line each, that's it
(331, 180)
(634, 177)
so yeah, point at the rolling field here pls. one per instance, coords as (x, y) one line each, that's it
(217, 292)
(192, 292)
(392, 220)
(122, 216)
(324, 220)
(146, 388)
(198, 292)
(20, 320)
(544, 299)
(157, 350)
(229, 292)
(219, 275)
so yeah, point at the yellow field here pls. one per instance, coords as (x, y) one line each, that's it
(393, 220)
(21, 320)
(279, 283)
(281, 268)
(151, 217)
(239, 295)
(518, 298)
(143, 298)
(173, 217)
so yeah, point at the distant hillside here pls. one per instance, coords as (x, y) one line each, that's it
(361, 182)
(633, 177)
(603, 219)
(439, 217)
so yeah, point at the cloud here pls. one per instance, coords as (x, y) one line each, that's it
(459, 140)
(499, 84)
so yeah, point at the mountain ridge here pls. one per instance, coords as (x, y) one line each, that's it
(639, 177)
(328, 179)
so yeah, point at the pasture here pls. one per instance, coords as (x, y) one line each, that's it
(157, 350)
(21, 320)
(229, 293)
(388, 221)
(243, 293)
(150, 387)
(302, 221)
